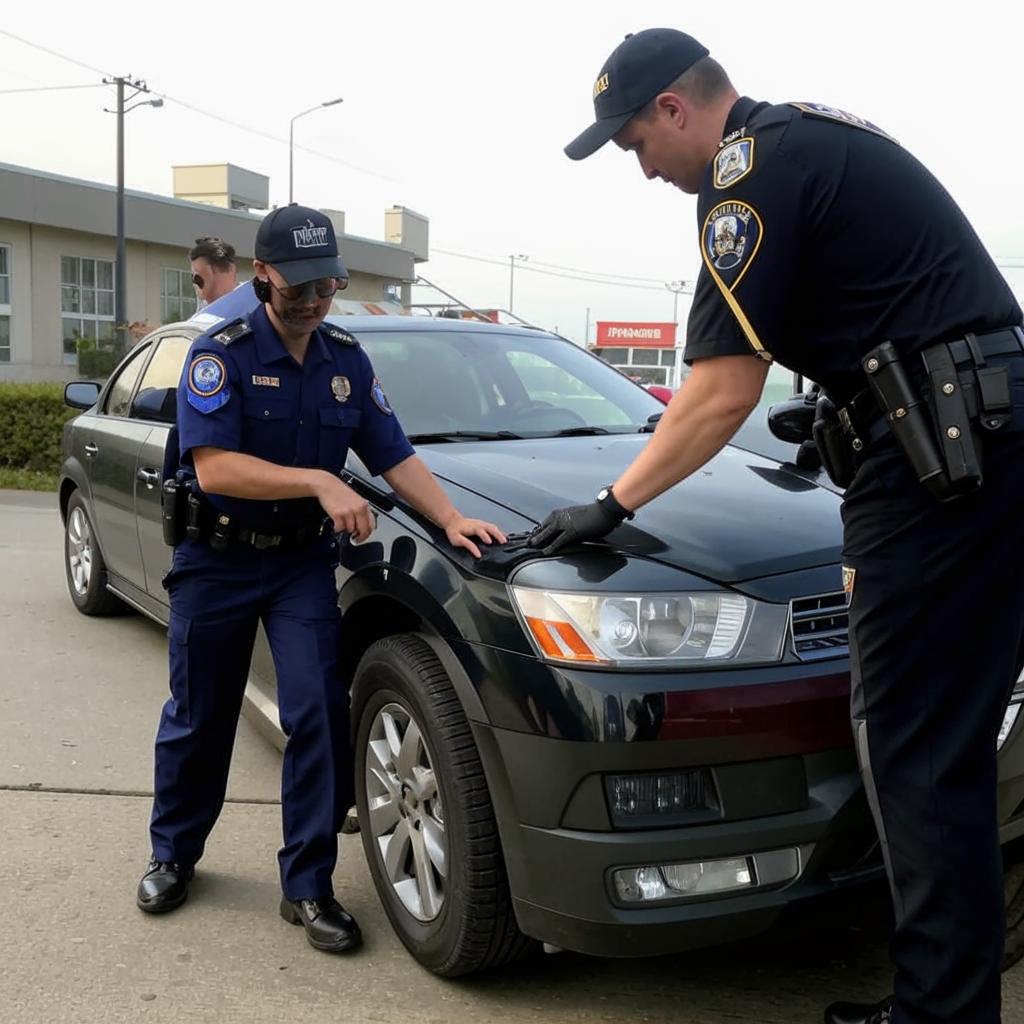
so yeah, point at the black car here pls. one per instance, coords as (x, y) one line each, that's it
(637, 747)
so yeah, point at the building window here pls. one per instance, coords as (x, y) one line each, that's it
(177, 295)
(5, 304)
(86, 304)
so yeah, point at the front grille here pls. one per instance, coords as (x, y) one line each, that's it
(820, 626)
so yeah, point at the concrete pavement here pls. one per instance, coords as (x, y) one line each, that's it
(79, 700)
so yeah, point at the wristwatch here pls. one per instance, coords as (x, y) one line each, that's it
(608, 500)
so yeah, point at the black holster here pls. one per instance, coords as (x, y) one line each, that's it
(832, 443)
(933, 427)
(172, 510)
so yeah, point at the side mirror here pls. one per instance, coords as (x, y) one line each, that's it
(793, 419)
(158, 404)
(81, 394)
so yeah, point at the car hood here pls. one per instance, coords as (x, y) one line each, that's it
(740, 517)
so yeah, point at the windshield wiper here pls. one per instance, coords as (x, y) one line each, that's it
(464, 435)
(578, 432)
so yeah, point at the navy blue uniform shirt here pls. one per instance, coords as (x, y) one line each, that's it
(240, 390)
(821, 238)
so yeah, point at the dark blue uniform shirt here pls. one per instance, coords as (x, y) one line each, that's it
(821, 238)
(240, 390)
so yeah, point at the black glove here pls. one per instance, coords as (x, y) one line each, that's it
(572, 525)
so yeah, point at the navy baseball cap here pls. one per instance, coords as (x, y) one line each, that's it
(300, 243)
(640, 67)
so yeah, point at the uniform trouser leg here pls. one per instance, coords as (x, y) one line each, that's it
(936, 624)
(303, 626)
(211, 634)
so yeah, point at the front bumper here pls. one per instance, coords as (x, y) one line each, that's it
(560, 871)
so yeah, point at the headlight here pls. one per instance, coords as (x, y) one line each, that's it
(690, 629)
(1012, 713)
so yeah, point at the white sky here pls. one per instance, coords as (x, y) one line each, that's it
(460, 110)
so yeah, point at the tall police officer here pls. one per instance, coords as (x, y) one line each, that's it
(267, 408)
(821, 240)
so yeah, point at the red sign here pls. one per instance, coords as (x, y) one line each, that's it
(615, 334)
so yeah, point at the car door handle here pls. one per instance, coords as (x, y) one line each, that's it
(150, 477)
(92, 449)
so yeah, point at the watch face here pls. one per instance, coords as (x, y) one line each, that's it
(603, 493)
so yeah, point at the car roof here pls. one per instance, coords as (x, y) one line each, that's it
(376, 323)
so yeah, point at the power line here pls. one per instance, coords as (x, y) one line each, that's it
(55, 88)
(205, 113)
(612, 280)
(54, 53)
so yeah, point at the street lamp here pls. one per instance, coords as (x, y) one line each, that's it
(512, 273)
(291, 138)
(677, 288)
(120, 271)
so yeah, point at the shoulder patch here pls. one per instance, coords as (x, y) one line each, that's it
(730, 239)
(827, 113)
(379, 398)
(733, 162)
(207, 382)
(340, 334)
(232, 331)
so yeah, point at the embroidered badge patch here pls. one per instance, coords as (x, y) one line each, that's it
(731, 237)
(733, 162)
(849, 578)
(207, 383)
(379, 398)
(341, 388)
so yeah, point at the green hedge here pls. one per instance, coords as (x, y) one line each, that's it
(32, 418)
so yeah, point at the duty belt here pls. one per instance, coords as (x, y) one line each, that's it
(226, 533)
(865, 423)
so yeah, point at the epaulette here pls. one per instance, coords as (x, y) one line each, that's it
(339, 334)
(827, 113)
(232, 331)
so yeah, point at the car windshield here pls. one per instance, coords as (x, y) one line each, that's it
(470, 385)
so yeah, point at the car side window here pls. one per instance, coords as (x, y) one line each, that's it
(164, 370)
(120, 393)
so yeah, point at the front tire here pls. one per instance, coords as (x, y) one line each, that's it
(1014, 882)
(427, 822)
(84, 568)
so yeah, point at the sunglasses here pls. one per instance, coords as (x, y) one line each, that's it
(323, 288)
(198, 281)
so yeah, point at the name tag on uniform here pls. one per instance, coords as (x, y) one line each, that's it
(266, 382)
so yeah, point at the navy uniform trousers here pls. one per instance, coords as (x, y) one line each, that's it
(937, 636)
(217, 600)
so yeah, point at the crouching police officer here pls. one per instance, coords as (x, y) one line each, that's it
(268, 406)
(829, 247)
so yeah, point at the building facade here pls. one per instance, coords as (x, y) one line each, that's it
(57, 248)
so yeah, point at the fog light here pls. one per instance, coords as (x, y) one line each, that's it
(662, 798)
(656, 882)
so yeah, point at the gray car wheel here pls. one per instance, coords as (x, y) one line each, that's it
(425, 814)
(84, 567)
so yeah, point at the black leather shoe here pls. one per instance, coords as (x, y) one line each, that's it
(328, 925)
(163, 887)
(860, 1013)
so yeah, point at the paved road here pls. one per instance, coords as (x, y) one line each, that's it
(79, 700)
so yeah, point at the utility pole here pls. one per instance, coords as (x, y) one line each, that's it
(512, 274)
(120, 269)
(677, 288)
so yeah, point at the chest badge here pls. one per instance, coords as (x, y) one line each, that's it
(733, 162)
(266, 382)
(341, 388)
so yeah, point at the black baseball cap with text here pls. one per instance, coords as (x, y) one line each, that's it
(640, 67)
(300, 243)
